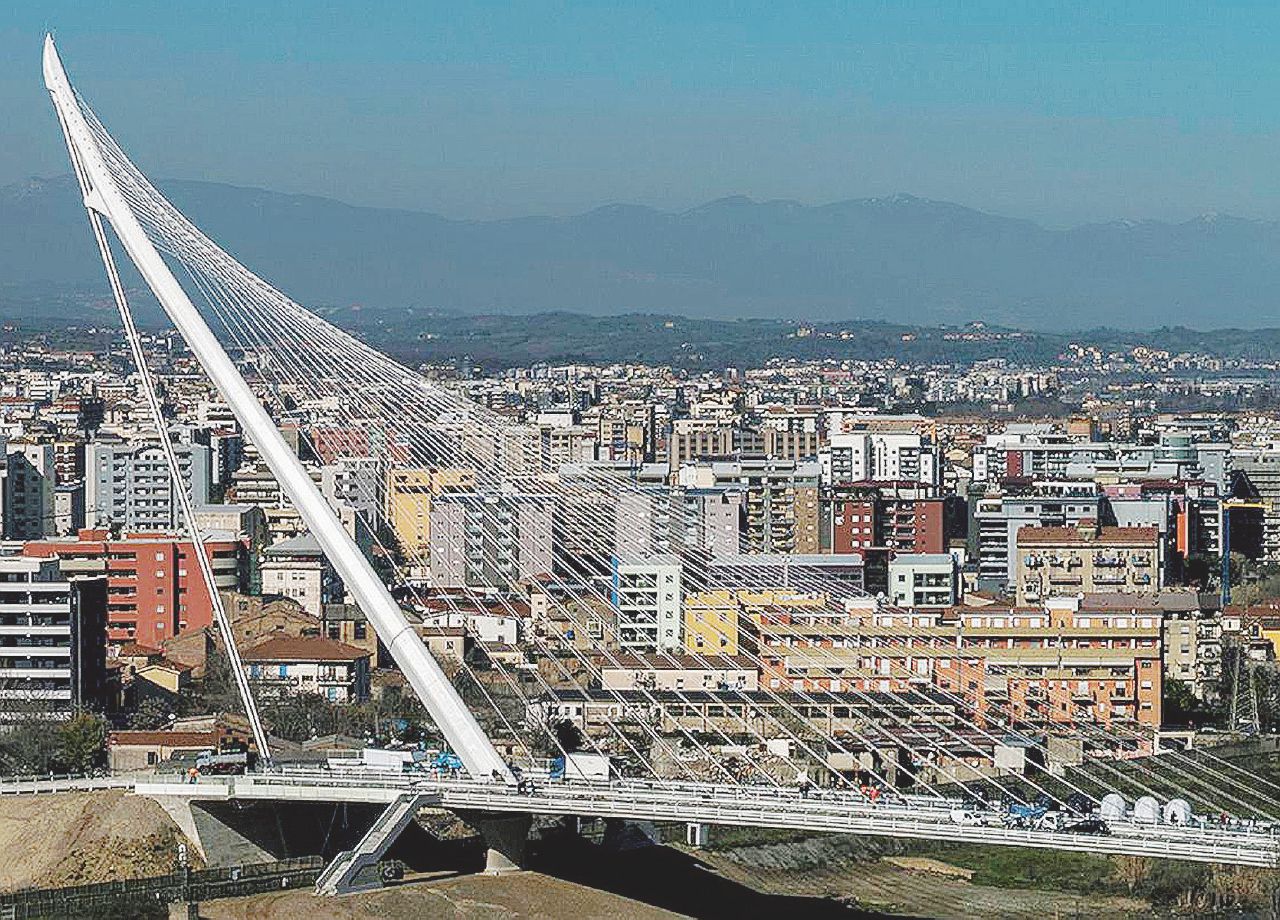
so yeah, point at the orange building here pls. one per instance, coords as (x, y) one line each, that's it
(154, 587)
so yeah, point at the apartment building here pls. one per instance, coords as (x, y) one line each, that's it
(53, 640)
(29, 486)
(129, 486)
(900, 516)
(357, 483)
(780, 500)
(490, 539)
(1061, 662)
(790, 433)
(1261, 465)
(923, 580)
(154, 587)
(409, 491)
(1064, 561)
(695, 439)
(646, 593)
(679, 672)
(884, 456)
(298, 569)
(289, 666)
(625, 431)
(997, 517)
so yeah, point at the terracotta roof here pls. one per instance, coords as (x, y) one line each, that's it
(164, 739)
(303, 648)
(134, 650)
(1134, 536)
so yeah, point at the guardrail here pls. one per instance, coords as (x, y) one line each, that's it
(760, 807)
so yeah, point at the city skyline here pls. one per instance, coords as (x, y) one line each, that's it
(718, 615)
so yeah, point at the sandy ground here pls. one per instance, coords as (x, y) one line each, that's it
(525, 895)
(55, 840)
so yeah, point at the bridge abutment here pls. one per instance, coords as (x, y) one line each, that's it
(506, 838)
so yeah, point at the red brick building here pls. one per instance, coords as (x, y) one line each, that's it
(900, 516)
(154, 587)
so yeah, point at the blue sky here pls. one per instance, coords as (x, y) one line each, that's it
(1062, 112)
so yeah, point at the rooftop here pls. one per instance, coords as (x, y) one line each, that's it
(303, 648)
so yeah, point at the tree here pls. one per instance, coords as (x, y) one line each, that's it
(568, 736)
(1181, 707)
(82, 743)
(152, 713)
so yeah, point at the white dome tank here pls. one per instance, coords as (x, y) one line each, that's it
(1146, 810)
(1178, 812)
(1113, 807)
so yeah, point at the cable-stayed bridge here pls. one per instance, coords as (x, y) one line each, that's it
(821, 709)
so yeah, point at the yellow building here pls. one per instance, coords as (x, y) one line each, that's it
(711, 623)
(727, 621)
(409, 493)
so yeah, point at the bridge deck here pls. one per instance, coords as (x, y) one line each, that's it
(748, 806)
(695, 802)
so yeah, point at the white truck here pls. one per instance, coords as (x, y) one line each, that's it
(580, 767)
(378, 760)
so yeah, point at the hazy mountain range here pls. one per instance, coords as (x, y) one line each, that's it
(901, 259)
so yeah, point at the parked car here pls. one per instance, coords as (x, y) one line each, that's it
(1089, 825)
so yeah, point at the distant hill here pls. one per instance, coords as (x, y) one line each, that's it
(900, 259)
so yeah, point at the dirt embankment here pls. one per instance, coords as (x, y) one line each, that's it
(525, 895)
(75, 838)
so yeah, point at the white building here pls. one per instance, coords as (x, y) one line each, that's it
(880, 456)
(680, 672)
(128, 486)
(297, 569)
(487, 628)
(646, 594)
(291, 665)
(53, 640)
(922, 580)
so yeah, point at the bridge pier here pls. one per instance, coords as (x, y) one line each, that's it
(506, 837)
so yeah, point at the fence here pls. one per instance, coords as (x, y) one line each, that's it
(143, 897)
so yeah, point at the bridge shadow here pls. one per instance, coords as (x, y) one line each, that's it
(677, 881)
(236, 834)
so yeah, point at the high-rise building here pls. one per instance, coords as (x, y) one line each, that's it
(29, 484)
(647, 596)
(53, 640)
(878, 456)
(358, 483)
(154, 586)
(899, 516)
(409, 492)
(129, 487)
(495, 540)
(780, 500)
